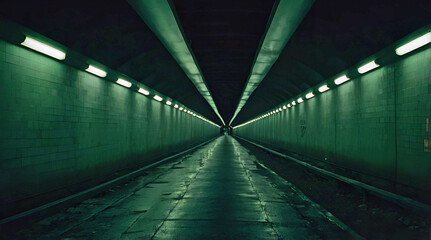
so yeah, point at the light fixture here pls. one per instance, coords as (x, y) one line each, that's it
(288, 105)
(367, 67)
(284, 107)
(415, 44)
(299, 100)
(185, 110)
(143, 91)
(341, 80)
(323, 88)
(43, 48)
(181, 108)
(293, 103)
(169, 103)
(279, 109)
(158, 98)
(176, 106)
(276, 111)
(309, 95)
(96, 71)
(124, 83)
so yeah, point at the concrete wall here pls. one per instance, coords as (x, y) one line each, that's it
(373, 128)
(63, 130)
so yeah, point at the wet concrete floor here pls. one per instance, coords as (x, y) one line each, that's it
(216, 192)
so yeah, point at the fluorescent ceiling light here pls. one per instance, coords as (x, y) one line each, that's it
(323, 88)
(176, 106)
(309, 95)
(415, 44)
(283, 23)
(158, 98)
(143, 91)
(160, 18)
(43, 48)
(367, 67)
(169, 103)
(299, 100)
(96, 71)
(341, 80)
(124, 83)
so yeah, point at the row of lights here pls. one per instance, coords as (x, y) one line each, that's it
(404, 49)
(60, 55)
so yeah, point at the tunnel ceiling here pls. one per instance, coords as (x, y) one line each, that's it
(224, 37)
(112, 33)
(334, 35)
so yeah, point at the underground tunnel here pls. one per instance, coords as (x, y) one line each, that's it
(201, 119)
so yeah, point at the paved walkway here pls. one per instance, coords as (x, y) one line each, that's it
(217, 192)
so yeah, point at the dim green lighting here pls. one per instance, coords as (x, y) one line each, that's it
(415, 44)
(96, 71)
(124, 83)
(43, 48)
(368, 67)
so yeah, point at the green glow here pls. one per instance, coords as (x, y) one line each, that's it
(284, 22)
(96, 71)
(158, 16)
(415, 44)
(124, 83)
(43, 48)
(368, 67)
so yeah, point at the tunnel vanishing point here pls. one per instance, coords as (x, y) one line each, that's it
(227, 119)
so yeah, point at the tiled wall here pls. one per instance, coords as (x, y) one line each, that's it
(374, 126)
(62, 129)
